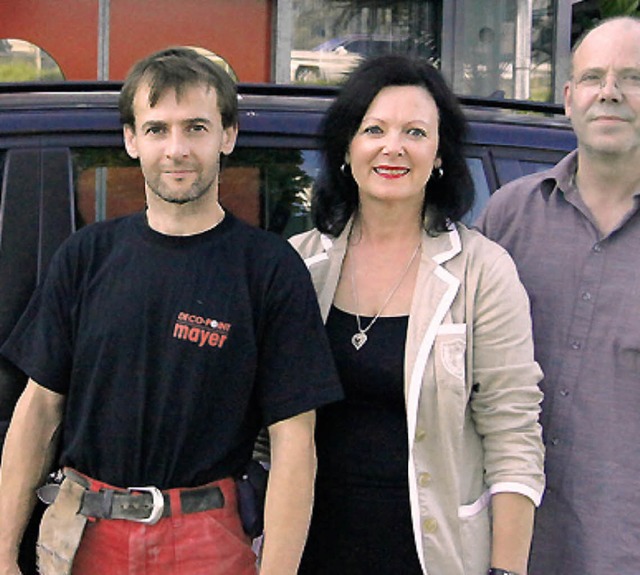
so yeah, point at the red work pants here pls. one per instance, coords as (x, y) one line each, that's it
(203, 543)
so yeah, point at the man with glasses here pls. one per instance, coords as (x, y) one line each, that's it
(574, 233)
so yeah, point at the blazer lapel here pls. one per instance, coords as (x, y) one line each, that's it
(325, 268)
(435, 291)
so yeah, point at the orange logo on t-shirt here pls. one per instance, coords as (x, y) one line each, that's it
(201, 331)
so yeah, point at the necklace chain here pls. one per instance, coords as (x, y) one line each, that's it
(360, 337)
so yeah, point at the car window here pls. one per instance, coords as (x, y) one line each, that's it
(511, 168)
(107, 184)
(2, 154)
(269, 187)
(480, 182)
(357, 46)
(265, 187)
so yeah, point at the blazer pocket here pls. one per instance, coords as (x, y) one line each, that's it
(450, 350)
(475, 529)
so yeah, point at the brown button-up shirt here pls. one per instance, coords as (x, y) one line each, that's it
(585, 297)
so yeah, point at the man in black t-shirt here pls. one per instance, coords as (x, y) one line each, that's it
(157, 347)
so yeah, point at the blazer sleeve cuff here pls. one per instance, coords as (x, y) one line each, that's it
(521, 488)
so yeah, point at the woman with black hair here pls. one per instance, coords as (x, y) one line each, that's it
(434, 461)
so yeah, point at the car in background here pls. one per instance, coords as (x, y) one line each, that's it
(331, 61)
(63, 166)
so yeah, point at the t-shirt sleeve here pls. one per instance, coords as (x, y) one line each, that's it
(296, 371)
(40, 344)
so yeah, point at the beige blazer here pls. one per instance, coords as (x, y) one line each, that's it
(471, 390)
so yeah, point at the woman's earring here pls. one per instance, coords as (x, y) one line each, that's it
(344, 169)
(438, 172)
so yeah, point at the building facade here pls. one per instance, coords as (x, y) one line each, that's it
(502, 48)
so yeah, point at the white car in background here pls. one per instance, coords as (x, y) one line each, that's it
(332, 60)
(328, 62)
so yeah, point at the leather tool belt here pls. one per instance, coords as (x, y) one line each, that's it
(143, 504)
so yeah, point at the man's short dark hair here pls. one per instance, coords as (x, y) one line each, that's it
(175, 69)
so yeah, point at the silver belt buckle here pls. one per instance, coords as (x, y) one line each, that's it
(157, 501)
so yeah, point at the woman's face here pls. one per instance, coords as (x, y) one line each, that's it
(395, 148)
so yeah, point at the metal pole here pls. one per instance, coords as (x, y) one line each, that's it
(103, 39)
(282, 41)
(562, 47)
(102, 74)
(522, 64)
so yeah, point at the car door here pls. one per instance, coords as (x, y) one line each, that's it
(35, 217)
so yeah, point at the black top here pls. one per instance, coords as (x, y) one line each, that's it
(173, 351)
(363, 439)
(361, 521)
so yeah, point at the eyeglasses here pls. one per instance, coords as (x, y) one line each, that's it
(627, 82)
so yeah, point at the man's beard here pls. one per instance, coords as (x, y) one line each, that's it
(195, 192)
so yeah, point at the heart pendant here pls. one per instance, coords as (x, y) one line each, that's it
(359, 339)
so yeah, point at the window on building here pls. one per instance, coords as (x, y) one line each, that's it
(22, 61)
(504, 49)
(330, 37)
(498, 48)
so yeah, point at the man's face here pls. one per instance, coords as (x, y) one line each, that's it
(179, 143)
(603, 97)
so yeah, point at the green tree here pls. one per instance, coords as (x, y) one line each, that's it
(610, 8)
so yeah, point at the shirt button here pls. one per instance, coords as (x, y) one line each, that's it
(586, 296)
(575, 345)
(597, 248)
(424, 479)
(420, 434)
(554, 441)
(429, 525)
(564, 392)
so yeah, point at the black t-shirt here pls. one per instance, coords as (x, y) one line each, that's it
(173, 351)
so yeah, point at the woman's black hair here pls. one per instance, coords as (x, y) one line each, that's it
(335, 194)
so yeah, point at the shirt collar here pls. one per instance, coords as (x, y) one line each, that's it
(562, 176)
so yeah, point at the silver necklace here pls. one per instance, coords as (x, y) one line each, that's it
(360, 337)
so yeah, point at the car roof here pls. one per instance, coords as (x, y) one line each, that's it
(264, 110)
(333, 43)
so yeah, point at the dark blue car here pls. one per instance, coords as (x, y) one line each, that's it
(64, 166)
